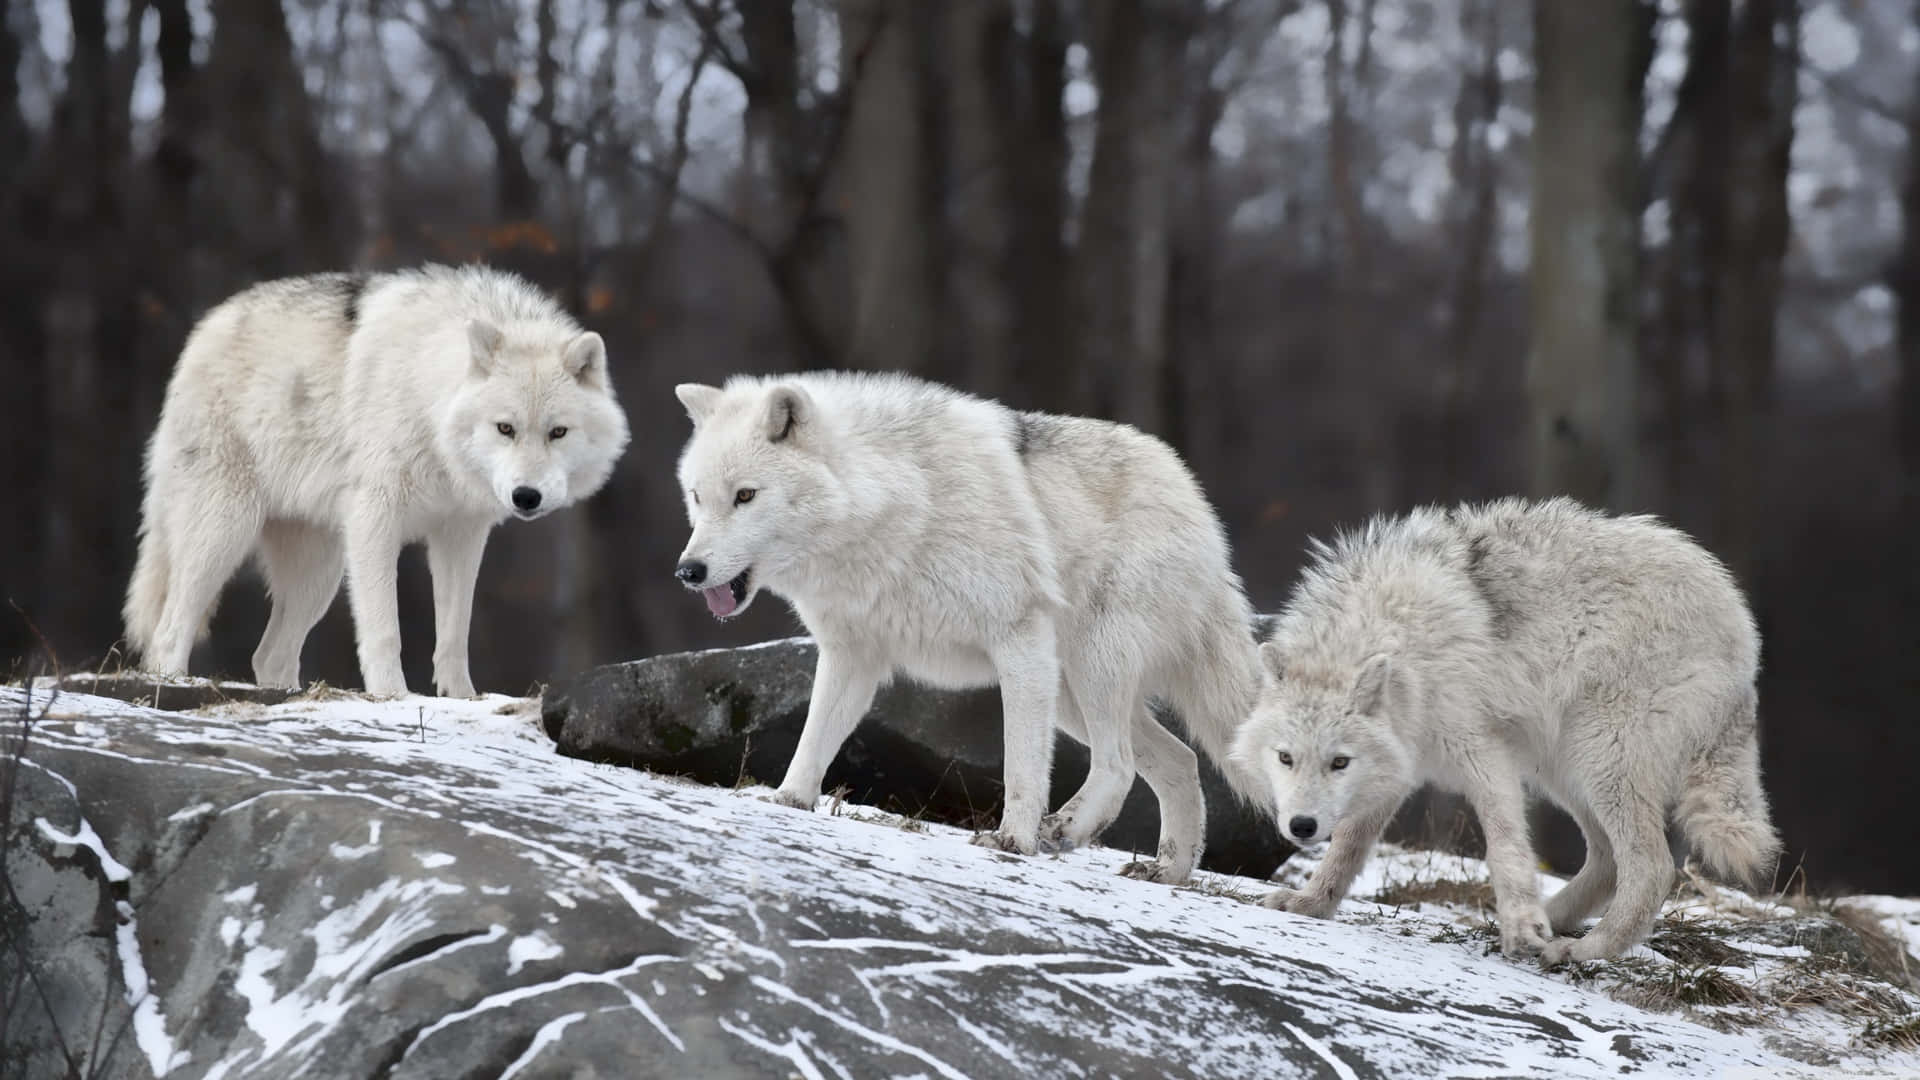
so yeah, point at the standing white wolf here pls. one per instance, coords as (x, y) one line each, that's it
(922, 532)
(1607, 662)
(322, 422)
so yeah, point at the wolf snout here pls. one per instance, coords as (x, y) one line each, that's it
(1303, 827)
(526, 499)
(691, 572)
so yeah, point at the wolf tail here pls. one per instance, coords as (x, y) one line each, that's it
(147, 593)
(1723, 810)
(1216, 694)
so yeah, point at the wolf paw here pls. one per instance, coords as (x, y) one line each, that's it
(1572, 950)
(795, 800)
(1003, 841)
(1526, 930)
(1055, 830)
(1301, 903)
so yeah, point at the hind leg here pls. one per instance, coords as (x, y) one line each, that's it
(1054, 825)
(1106, 708)
(1172, 770)
(1636, 828)
(303, 564)
(211, 528)
(1591, 887)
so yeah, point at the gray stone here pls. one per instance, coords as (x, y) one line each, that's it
(725, 716)
(339, 888)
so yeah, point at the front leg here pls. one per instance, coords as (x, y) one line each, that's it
(373, 561)
(1352, 845)
(1029, 669)
(453, 556)
(844, 682)
(1500, 801)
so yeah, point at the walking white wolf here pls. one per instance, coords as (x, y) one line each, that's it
(920, 531)
(322, 422)
(1608, 662)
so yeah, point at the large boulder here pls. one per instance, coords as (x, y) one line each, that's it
(728, 716)
(340, 888)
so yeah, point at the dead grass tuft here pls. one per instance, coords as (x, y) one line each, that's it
(1474, 894)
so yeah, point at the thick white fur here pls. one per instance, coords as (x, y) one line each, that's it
(922, 532)
(1607, 662)
(320, 423)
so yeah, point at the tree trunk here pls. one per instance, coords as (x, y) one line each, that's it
(1037, 265)
(977, 36)
(772, 156)
(1760, 97)
(1476, 172)
(1904, 280)
(1591, 61)
(1125, 253)
(891, 216)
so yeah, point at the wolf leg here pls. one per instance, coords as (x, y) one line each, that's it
(1029, 669)
(1591, 887)
(1348, 851)
(303, 565)
(1636, 827)
(453, 557)
(844, 682)
(1106, 707)
(1498, 798)
(373, 568)
(1172, 770)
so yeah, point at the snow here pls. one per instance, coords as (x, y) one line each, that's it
(937, 888)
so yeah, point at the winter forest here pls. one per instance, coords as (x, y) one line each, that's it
(1348, 256)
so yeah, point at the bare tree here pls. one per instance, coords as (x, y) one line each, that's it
(1904, 278)
(1591, 61)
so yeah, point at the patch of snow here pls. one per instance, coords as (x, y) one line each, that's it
(342, 851)
(548, 1034)
(435, 860)
(528, 948)
(191, 812)
(85, 837)
(149, 1025)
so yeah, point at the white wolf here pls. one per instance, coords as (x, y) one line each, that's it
(1607, 662)
(923, 532)
(322, 422)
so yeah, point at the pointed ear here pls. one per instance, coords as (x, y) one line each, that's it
(1275, 661)
(484, 340)
(1370, 686)
(586, 357)
(788, 408)
(699, 399)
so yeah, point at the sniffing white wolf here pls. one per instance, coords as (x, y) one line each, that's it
(922, 532)
(320, 423)
(1607, 662)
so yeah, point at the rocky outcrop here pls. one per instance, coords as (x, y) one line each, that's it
(726, 716)
(421, 888)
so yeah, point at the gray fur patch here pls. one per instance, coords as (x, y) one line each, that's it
(1033, 432)
(1500, 612)
(352, 288)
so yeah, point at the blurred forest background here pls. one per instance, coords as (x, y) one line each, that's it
(1347, 255)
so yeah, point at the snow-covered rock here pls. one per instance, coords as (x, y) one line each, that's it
(423, 888)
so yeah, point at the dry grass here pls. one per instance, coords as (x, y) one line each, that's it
(1891, 1034)
(1474, 894)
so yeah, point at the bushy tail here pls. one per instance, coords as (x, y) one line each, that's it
(1216, 695)
(147, 593)
(1723, 810)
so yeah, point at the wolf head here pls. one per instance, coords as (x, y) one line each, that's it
(1326, 746)
(758, 486)
(535, 420)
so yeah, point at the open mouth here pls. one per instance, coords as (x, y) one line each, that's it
(724, 600)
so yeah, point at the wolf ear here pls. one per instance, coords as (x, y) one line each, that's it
(484, 339)
(699, 399)
(585, 358)
(1370, 686)
(787, 408)
(1275, 660)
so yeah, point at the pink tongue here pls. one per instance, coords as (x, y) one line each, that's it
(719, 600)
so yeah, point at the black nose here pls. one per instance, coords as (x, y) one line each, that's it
(692, 572)
(1302, 826)
(526, 498)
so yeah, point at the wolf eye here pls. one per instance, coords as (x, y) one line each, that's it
(504, 429)
(744, 496)
(1339, 763)
(1286, 759)
(558, 433)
